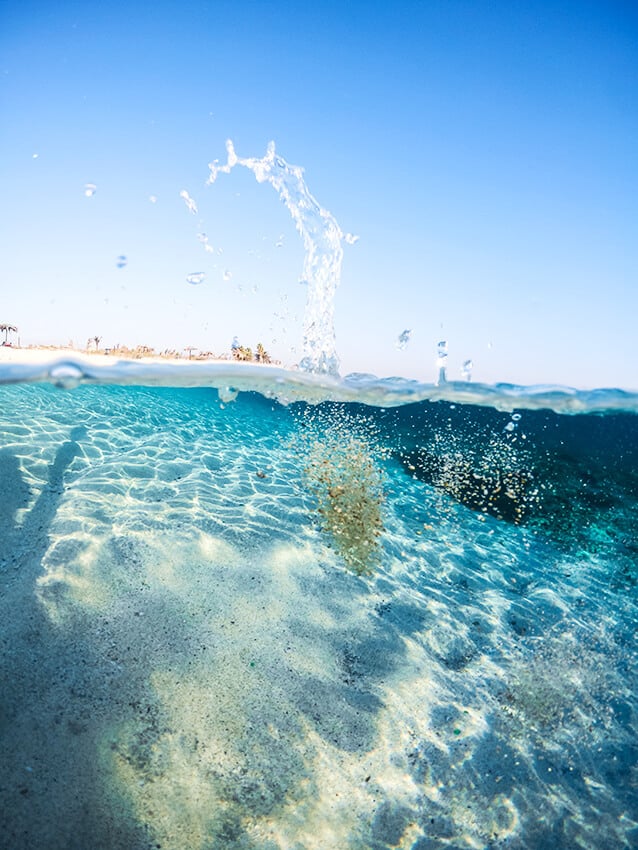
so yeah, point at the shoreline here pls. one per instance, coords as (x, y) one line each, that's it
(39, 354)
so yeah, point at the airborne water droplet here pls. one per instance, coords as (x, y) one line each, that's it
(350, 238)
(195, 278)
(466, 370)
(227, 275)
(203, 238)
(190, 203)
(403, 339)
(89, 189)
(121, 261)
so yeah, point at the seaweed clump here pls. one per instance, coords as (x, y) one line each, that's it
(348, 485)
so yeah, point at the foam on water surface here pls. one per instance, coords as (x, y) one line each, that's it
(190, 660)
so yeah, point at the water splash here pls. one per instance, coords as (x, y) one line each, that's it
(195, 278)
(322, 238)
(121, 261)
(441, 361)
(466, 370)
(90, 189)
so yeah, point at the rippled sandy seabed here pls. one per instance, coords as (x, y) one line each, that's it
(190, 663)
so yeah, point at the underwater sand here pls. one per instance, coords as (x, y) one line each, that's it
(192, 659)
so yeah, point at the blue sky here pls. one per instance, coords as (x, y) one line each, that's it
(484, 152)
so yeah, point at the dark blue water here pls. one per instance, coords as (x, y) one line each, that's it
(334, 625)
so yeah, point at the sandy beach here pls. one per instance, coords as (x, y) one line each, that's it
(46, 354)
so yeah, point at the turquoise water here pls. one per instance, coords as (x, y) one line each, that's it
(400, 617)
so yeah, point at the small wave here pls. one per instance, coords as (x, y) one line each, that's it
(287, 386)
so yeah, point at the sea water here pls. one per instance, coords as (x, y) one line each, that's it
(242, 619)
(245, 607)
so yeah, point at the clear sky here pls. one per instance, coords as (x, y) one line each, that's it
(485, 153)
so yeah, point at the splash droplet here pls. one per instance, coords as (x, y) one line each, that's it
(441, 360)
(403, 339)
(466, 370)
(152, 199)
(227, 394)
(203, 238)
(190, 203)
(227, 274)
(66, 376)
(121, 261)
(90, 189)
(351, 238)
(195, 278)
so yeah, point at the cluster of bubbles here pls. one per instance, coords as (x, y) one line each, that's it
(490, 472)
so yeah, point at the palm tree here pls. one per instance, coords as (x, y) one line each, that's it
(262, 354)
(7, 330)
